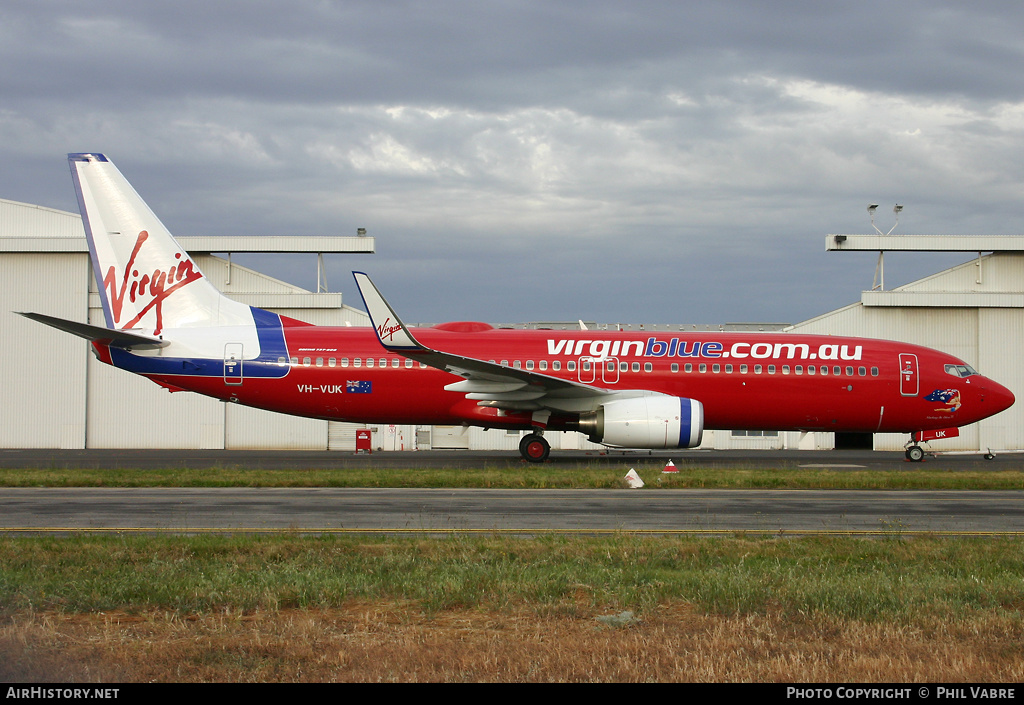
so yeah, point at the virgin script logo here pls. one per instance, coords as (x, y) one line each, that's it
(387, 332)
(150, 289)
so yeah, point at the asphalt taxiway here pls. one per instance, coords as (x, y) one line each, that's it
(325, 510)
(337, 510)
(299, 459)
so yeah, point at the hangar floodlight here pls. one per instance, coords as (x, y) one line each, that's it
(896, 211)
(871, 211)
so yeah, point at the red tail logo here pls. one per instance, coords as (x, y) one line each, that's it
(157, 286)
(385, 331)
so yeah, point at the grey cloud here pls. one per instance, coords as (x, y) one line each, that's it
(545, 156)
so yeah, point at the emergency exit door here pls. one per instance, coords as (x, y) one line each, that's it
(909, 384)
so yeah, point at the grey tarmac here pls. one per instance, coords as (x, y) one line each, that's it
(446, 510)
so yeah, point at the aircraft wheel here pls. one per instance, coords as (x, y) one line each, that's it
(534, 448)
(915, 454)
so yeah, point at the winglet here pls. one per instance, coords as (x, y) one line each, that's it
(391, 332)
(492, 384)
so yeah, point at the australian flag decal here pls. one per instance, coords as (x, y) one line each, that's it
(949, 398)
(359, 387)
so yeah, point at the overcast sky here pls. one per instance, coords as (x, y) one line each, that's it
(658, 162)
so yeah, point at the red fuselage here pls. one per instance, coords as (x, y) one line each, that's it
(750, 381)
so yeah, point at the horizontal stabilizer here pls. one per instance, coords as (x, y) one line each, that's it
(98, 334)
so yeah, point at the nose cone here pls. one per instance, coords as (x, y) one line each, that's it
(995, 397)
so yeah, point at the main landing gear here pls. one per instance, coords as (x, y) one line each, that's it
(534, 448)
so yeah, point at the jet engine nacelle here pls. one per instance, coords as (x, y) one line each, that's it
(646, 422)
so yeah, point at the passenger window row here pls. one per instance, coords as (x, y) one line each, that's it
(586, 365)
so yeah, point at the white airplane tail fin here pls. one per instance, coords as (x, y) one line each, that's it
(147, 282)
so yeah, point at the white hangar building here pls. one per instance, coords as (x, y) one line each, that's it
(57, 395)
(974, 311)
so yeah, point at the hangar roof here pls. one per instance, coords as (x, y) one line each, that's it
(925, 243)
(29, 228)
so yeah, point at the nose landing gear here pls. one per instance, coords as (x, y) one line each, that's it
(914, 453)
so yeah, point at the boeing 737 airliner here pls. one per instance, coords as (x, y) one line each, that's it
(167, 322)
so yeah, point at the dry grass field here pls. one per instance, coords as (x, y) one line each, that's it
(614, 609)
(391, 642)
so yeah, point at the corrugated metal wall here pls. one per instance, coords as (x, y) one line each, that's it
(1000, 338)
(43, 373)
(248, 428)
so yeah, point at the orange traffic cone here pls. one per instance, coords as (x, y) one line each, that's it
(670, 467)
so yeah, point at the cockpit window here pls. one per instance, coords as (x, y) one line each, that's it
(960, 370)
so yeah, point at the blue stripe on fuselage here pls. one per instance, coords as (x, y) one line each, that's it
(273, 350)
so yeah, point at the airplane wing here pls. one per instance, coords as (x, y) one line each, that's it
(98, 334)
(489, 383)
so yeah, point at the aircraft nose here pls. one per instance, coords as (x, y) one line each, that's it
(996, 397)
